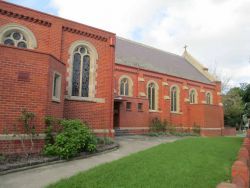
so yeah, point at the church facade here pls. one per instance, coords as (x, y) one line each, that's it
(53, 66)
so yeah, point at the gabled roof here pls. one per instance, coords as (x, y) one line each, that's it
(138, 55)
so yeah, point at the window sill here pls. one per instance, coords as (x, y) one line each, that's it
(128, 110)
(178, 113)
(125, 95)
(154, 111)
(56, 100)
(87, 99)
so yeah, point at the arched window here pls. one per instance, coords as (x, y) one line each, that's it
(125, 86)
(18, 36)
(193, 96)
(80, 72)
(209, 98)
(174, 91)
(153, 95)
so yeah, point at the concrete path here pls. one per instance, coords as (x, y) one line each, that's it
(42, 176)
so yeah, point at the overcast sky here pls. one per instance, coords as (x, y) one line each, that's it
(217, 32)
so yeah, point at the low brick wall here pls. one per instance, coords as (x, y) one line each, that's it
(14, 147)
(229, 131)
(240, 168)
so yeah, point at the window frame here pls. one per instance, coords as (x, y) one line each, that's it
(195, 97)
(177, 100)
(140, 109)
(210, 98)
(130, 86)
(58, 87)
(129, 104)
(156, 96)
(92, 73)
(26, 32)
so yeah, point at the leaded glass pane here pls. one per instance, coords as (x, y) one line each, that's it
(126, 87)
(149, 97)
(173, 99)
(192, 97)
(22, 45)
(122, 88)
(15, 39)
(9, 42)
(153, 98)
(16, 36)
(85, 76)
(208, 98)
(76, 75)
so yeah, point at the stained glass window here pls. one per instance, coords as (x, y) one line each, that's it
(152, 96)
(80, 72)
(16, 39)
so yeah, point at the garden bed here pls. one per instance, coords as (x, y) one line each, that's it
(15, 163)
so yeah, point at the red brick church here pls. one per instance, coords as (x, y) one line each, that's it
(53, 66)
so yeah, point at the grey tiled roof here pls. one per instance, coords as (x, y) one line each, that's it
(134, 54)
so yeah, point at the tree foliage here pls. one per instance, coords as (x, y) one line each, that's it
(233, 107)
(236, 104)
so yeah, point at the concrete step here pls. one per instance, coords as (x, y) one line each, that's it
(121, 132)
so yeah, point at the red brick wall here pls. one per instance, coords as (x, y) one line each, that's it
(206, 116)
(53, 108)
(16, 147)
(133, 117)
(26, 82)
(54, 36)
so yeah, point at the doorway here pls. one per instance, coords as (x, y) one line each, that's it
(117, 114)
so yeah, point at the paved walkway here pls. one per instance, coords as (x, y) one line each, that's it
(42, 176)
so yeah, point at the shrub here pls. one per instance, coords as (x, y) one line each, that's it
(74, 138)
(196, 129)
(52, 127)
(157, 126)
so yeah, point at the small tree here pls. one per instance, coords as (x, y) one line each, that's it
(26, 119)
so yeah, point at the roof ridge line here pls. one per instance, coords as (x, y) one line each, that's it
(148, 46)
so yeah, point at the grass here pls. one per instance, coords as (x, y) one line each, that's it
(192, 162)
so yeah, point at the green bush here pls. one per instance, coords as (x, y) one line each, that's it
(196, 129)
(74, 138)
(49, 122)
(157, 126)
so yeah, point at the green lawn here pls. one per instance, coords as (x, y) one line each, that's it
(193, 162)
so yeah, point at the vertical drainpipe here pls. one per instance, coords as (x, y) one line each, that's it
(112, 42)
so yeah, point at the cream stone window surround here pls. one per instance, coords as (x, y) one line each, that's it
(177, 99)
(27, 33)
(58, 87)
(195, 96)
(130, 85)
(92, 72)
(156, 95)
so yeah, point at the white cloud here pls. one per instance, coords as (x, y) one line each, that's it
(216, 31)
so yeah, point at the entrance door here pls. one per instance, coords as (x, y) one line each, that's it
(116, 114)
